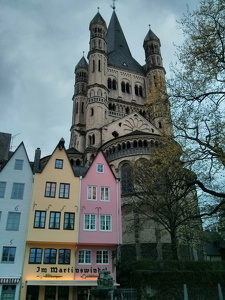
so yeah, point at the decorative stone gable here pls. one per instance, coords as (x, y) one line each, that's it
(126, 125)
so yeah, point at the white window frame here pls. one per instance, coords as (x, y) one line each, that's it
(88, 220)
(104, 257)
(13, 221)
(103, 193)
(104, 219)
(100, 168)
(92, 192)
(86, 257)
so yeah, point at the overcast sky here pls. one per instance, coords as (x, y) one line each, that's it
(41, 41)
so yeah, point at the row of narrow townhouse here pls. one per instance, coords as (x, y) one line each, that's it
(59, 227)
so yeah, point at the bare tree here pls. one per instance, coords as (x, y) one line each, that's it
(197, 94)
(162, 193)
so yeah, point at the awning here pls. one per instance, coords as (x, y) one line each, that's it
(62, 282)
(11, 280)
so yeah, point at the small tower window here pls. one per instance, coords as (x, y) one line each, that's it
(99, 65)
(92, 111)
(109, 83)
(136, 90)
(82, 107)
(93, 66)
(114, 84)
(123, 87)
(140, 91)
(127, 88)
(76, 107)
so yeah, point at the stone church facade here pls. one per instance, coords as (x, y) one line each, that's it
(110, 113)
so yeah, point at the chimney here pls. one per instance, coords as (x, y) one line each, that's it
(37, 158)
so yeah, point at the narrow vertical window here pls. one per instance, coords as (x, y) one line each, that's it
(50, 189)
(39, 219)
(2, 189)
(93, 66)
(69, 221)
(99, 65)
(54, 220)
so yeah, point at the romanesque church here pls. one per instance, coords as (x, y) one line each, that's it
(111, 91)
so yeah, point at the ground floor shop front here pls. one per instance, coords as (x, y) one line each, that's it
(55, 290)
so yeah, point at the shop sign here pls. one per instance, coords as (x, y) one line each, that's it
(9, 280)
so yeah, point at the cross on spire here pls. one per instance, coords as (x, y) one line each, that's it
(113, 5)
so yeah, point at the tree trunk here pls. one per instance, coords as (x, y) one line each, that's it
(158, 241)
(174, 247)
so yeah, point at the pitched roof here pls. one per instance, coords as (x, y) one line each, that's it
(151, 36)
(119, 54)
(82, 64)
(98, 19)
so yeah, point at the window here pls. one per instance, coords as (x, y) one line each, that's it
(18, 164)
(50, 256)
(35, 256)
(64, 190)
(123, 87)
(17, 190)
(126, 176)
(50, 292)
(105, 223)
(39, 219)
(89, 222)
(54, 220)
(104, 194)
(102, 257)
(8, 254)
(100, 168)
(91, 193)
(13, 221)
(69, 221)
(50, 189)
(84, 257)
(2, 189)
(63, 292)
(127, 88)
(58, 163)
(64, 256)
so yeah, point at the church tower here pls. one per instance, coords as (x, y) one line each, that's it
(156, 84)
(97, 93)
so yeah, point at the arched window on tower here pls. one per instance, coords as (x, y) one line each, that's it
(140, 91)
(114, 84)
(123, 88)
(99, 65)
(109, 83)
(77, 108)
(93, 66)
(92, 111)
(127, 88)
(136, 89)
(126, 179)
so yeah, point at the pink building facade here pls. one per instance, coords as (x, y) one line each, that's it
(100, 222)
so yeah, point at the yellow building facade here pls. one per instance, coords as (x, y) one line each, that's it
(52, 235)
